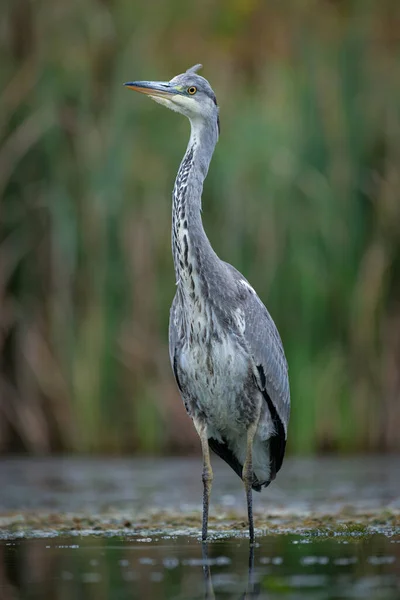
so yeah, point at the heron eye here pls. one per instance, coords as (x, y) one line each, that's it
(192, 90)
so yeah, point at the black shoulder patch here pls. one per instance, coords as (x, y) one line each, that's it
(175, 368)
(262, 376)
(277, 443)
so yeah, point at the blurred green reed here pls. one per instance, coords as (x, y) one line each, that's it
(302, 197)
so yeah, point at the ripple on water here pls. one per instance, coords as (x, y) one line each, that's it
(345, 561)
(266, 560)
(381, 560)
(366, 567)
(308, 561)
(147, 561)
(196, 562)
(170, 562)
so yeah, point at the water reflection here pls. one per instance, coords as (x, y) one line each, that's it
(252, 588)
(208, 586)
(184, 569)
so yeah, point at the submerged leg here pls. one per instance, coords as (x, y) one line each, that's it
(207, 474)
(248, 477)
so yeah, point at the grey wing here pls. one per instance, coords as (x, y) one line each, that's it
(266, 347)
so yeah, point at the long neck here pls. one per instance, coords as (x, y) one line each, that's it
(190, 245)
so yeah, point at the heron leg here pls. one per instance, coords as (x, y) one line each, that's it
(207, 477)
(247, 476)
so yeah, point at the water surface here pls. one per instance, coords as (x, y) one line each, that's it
(116, 529)
(285, 566)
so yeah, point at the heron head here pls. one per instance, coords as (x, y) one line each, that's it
(188, 93)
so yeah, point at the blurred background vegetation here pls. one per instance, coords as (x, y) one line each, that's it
(302, 196)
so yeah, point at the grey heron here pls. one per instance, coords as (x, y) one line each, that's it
(225, 350)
